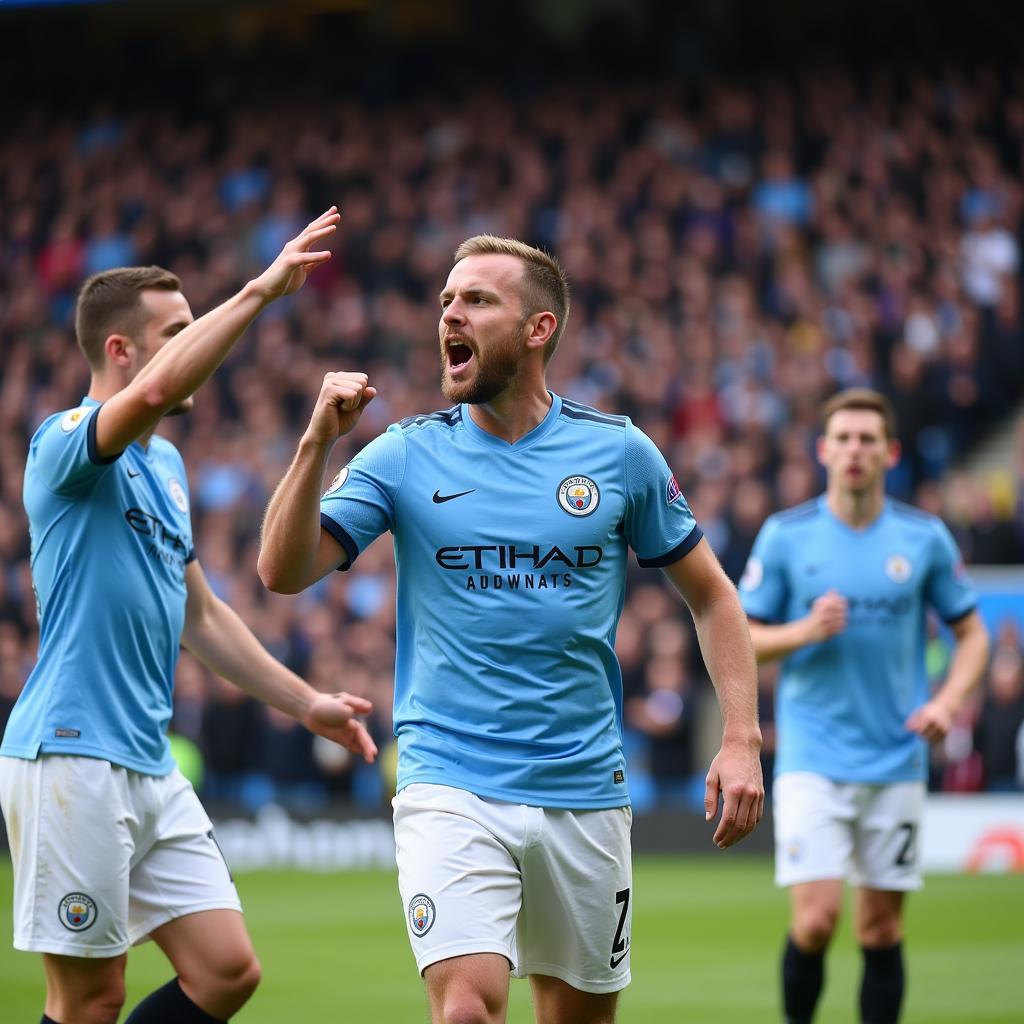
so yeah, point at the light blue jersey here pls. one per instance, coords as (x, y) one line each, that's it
(511, 578)
(110, 542)
(842, 704)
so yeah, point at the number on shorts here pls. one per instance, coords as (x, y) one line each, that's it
(621, 942)
(905, 857)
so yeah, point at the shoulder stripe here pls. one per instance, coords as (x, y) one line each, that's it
(450, 417)
(582, 411)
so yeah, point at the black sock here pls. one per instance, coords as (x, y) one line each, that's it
(881, 987)
(803, 975)
(47, 1020)
(169, 1005)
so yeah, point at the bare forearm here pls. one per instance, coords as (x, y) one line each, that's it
(291, 527)
(184, 364)
(225, 645)
(771, 642)
(965, 670)
(729, 656)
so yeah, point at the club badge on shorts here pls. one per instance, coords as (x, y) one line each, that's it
(77, 912)
(421, 914)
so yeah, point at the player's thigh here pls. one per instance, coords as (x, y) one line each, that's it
(555, 1002)
(887, 854)
(472, 987)
(576, 923)
(814, 835)
(71, 846)
(209, 949)
(459, 882)
(182, 870)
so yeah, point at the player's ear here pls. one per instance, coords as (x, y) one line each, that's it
(894, 454)
(118, 349)
(539, 329)
(819, 449)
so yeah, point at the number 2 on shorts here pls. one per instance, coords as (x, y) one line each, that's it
(620, 944)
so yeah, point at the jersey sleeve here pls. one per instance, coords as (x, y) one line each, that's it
(762, 587)
(947, 588)
(359, 504)
(64, 451)
(659, 525)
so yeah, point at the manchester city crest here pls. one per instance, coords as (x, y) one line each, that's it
(77, 912)
(177, 493)
(421, 914)
(578, 495)
(897, 568)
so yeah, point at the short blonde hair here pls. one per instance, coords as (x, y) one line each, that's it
(544, 286)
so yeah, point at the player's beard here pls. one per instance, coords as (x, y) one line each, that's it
(494, 371)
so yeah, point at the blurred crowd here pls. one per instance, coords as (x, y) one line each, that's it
(736, 253)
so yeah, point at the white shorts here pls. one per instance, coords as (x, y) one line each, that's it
(548, 889)
(103, 855)
(869, 834)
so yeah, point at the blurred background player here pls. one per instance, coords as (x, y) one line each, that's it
(513, 512)
(839, 587)
(109, 842)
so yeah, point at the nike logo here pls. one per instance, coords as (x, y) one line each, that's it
(135, 474)
(440, 498)
(616, 960)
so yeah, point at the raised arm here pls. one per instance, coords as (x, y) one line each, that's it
(216, 635)
(722, 632)
(182, 365)
(295, 550)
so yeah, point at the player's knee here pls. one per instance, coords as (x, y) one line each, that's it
(816, 925)
(467, 1007)
(102, 1007)
(228, 983)
(879, 932)
(241, 977)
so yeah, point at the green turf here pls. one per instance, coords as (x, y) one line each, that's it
(705, 938)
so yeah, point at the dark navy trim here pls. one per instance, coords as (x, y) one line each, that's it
(959, 618)
(450, 417)
(90, 443)
(691, 541)
(578, 411)
(191, 556)
(341, 536)
(807, 508)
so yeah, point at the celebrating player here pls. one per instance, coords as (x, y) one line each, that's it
(512, 513)
(838, 587)
(109, 842)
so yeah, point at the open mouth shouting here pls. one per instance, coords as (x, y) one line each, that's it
(458, 356)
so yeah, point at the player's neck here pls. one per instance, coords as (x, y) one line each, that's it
(857, 509)
(512, 414)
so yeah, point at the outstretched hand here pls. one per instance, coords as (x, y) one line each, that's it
(735, 776)
(332, 715)
(288, 272)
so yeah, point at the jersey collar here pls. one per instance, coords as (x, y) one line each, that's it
(489, 440)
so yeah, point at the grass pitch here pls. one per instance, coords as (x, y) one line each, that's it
(706, 938)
